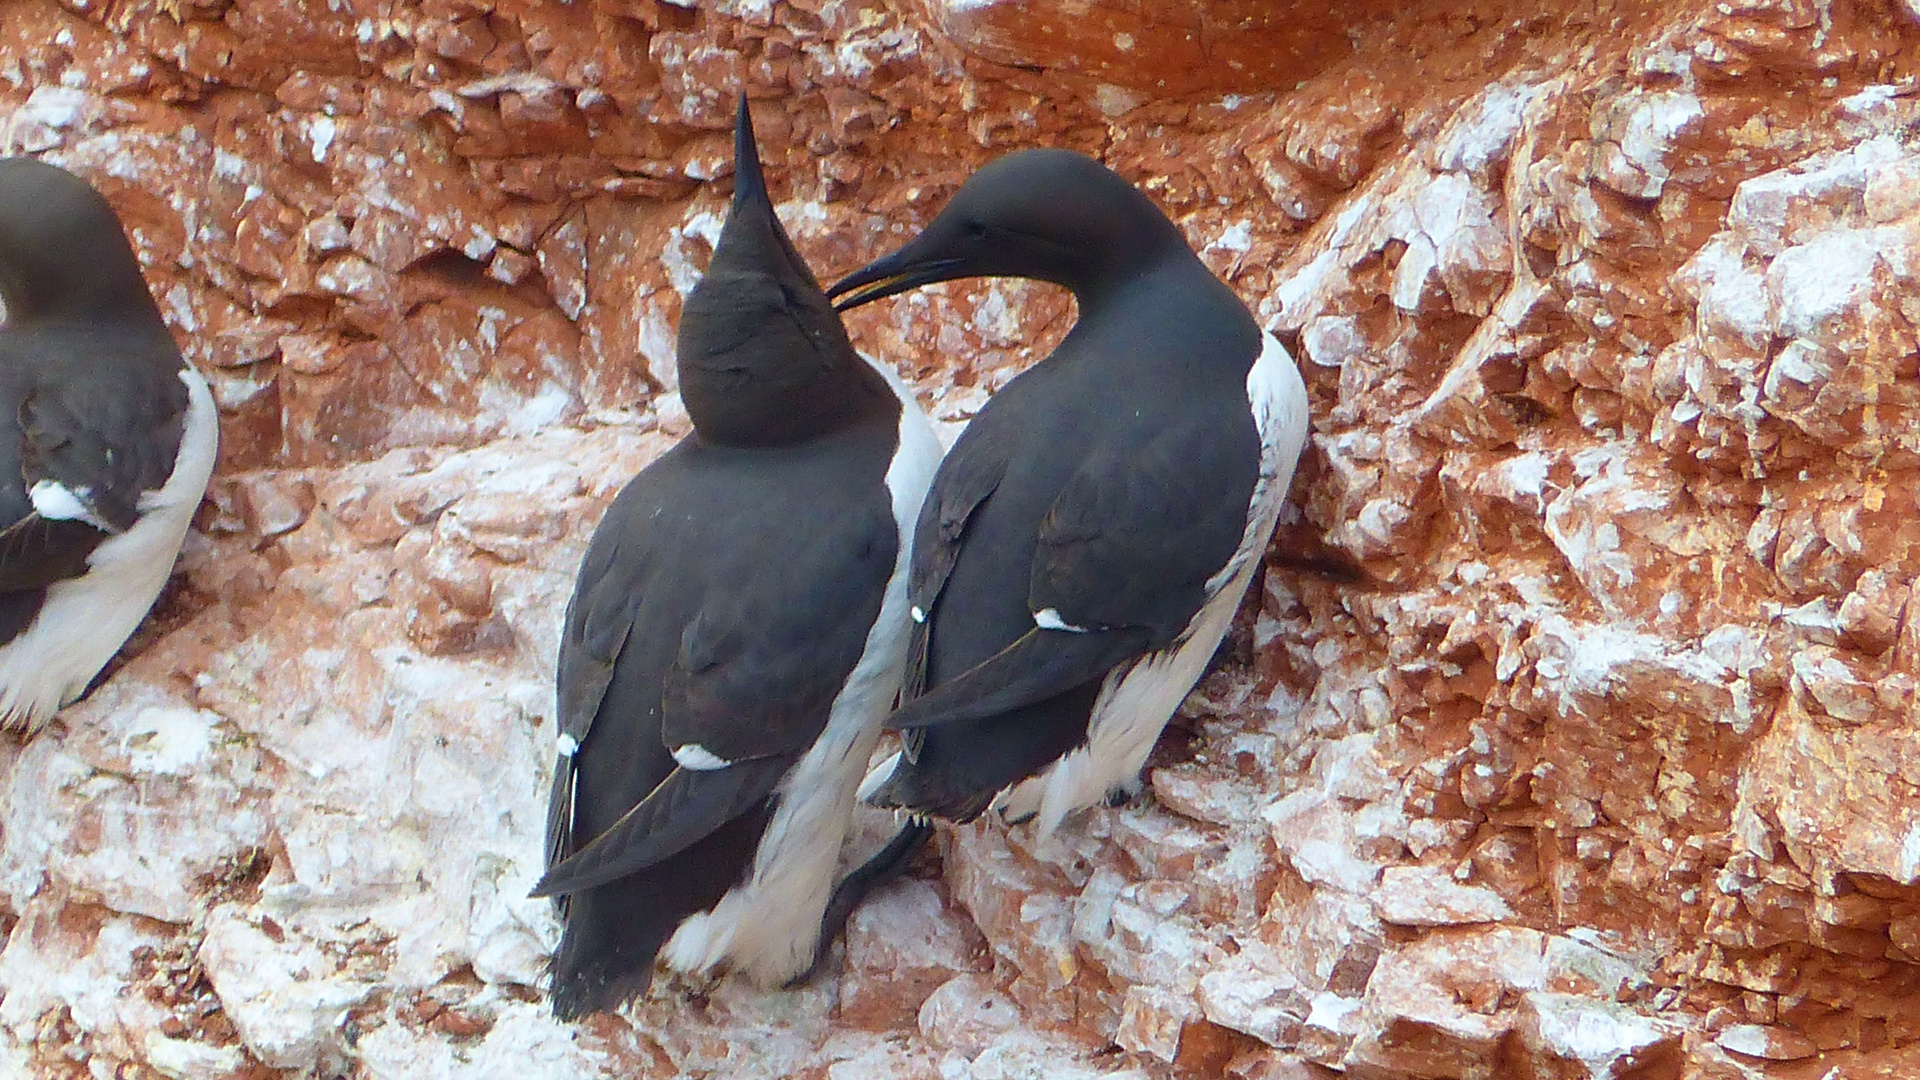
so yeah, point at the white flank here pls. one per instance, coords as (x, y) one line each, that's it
(86, 619)
(1049, 619)
(699, 758)
(1137, 699)
(768, 926)
(567, 745)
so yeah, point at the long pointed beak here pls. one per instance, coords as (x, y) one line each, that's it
(890, 275)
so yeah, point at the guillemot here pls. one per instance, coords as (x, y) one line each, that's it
(107, 439)
(1091, 532)
(736, 636)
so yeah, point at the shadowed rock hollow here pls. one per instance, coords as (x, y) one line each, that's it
(1605, 765)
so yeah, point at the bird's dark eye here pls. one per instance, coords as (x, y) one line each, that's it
(976, 230)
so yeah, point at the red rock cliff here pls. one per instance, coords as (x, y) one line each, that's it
(1605, 765)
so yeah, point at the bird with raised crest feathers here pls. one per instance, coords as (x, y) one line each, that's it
(737, 633)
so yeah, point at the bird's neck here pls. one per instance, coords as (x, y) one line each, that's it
(108, 299)
(732, 410)
(1136, 281)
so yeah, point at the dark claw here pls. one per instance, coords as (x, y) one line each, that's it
(888, 863)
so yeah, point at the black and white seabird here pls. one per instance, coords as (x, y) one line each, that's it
(737, 634)
(107, 438)
(1090, 533)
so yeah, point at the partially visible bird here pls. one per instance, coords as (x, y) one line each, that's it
(736, 636)
(107, 438)
(1090, 534)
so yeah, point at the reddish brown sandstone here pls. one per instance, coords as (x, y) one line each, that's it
(1605, 766)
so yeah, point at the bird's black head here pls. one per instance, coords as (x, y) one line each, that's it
(63, 254)
(763, 357)
(1050, 215)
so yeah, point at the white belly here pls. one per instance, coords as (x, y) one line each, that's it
(86, 619)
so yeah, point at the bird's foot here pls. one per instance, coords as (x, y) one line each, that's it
(691, 987)
(885, 865)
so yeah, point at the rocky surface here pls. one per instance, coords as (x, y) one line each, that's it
(1598, 760)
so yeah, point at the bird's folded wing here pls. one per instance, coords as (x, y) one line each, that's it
(1134, 542)
(751, 688)
(36, 552)
(1120, 567)
(966, 480)
(560, 809)
(759, 668)
(685, 807)
(1040, 664)
(596, 627)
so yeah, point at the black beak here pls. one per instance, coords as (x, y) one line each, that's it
(895, 273)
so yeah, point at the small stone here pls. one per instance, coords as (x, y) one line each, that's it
(1567, 1035)
(326, 234)
(967, 1013)
(1771, 1043)
(285, 999)
(1250, 992)
(1429, 896)
(1152, 1020)
(510, 267)
(904, 943)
